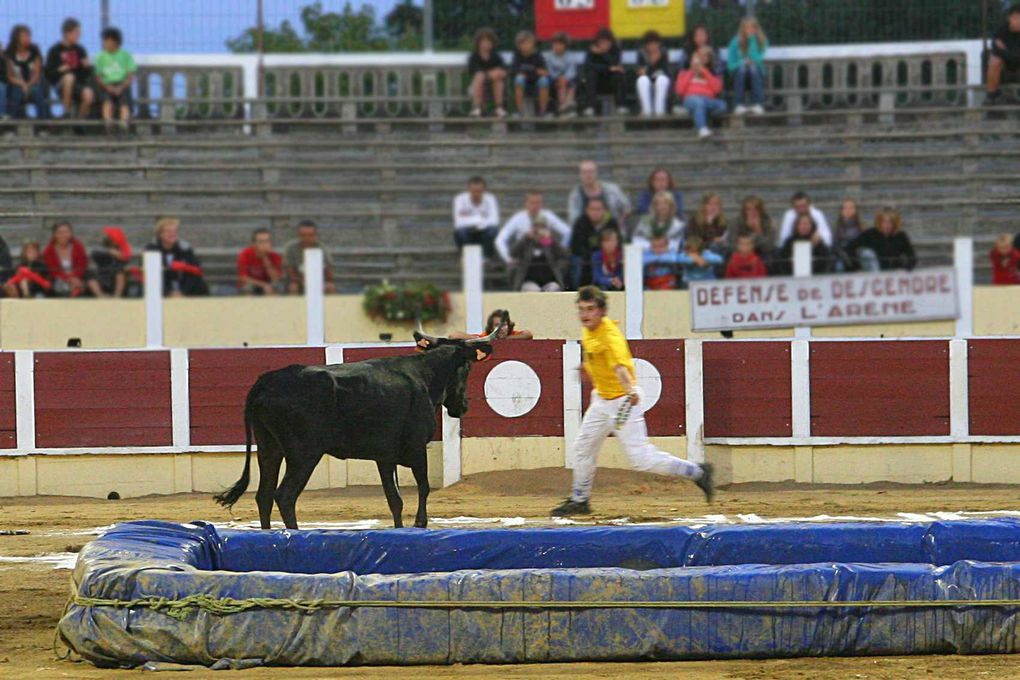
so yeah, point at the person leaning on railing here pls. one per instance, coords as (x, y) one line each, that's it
(805, 229)
(885, 246)
(746, 63)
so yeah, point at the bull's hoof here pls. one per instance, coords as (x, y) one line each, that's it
(421, 525)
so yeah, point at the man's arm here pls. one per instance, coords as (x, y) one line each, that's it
(823, 226)
(461, 221)
(559, 226)
(495, 211)
(787, 228)
(503, 239)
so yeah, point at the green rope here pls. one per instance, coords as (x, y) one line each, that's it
(180, 608)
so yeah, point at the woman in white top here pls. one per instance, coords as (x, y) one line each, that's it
(661, 218)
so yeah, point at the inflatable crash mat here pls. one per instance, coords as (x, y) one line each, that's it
(194, 594)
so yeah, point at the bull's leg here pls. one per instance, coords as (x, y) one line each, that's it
(294, 480)
(421, 476)
(388, 475)
(270, 457)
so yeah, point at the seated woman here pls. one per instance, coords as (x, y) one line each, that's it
(746, 63)
(31, 276)
(68, 264)
(885, 246)
(848, 227)
(709, 223)
(659, 179)
(509, 330)
(661, 220)
(804, 229)
(700, 89)
(607, 261)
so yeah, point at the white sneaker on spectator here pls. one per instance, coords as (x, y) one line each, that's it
(588, 112)
(740, 110)
(704, 132)
(757, 109)
(500, 112)
(475, 113)
(622, 111)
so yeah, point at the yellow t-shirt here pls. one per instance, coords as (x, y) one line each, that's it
(604, 349)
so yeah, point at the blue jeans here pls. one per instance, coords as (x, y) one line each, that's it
(37, 94)
(753, 74)
(701, 107)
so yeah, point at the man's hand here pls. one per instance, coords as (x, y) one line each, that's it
(634, 398)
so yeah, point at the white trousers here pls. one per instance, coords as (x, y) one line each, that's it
(653, 106)
(598, 423)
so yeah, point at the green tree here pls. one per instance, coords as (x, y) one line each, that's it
(457, 20)
(404, 26)
(349, 30)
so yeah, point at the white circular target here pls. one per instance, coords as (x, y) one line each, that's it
(649, 381)
(512, 389)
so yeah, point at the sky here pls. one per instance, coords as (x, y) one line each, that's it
(161, 26)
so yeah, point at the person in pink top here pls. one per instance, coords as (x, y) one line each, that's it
(700, 89)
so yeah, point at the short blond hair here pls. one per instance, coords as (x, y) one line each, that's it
(164, 222)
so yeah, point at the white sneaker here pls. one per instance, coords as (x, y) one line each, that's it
(740, 110)
(500, 112)
(704, 132)
(622, 111)
(588, 112)
(757, 109)
(475, 113)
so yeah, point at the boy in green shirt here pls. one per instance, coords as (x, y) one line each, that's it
(115, 71)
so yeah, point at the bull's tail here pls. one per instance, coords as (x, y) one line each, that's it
(231, 495)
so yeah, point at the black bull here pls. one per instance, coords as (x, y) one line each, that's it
(380, 409)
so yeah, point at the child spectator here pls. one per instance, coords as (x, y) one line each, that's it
(607, 261)
(746, 63)
(660, 262)
(182, 270)
(885, 246)
(115, 71)
(805, 229)
(24, 75)
(848, 227)
(30, 280)
(68, 263)
(653, 75)
(661, 220)
(476, 217)
(698, 39)
(700, 89)
(603, 72)
(259, 267)
(531, 75)
(709, 223)
(659, 179)
(698, 263)
(294, 258)
(1005, 54)
(541, 260)
(755, 222)
(1005, 262)
(591, 187)
(584, 239)
(110, 262)
(745, 263)
(486, 67)
(69, 72)
(508, 331)
(563, 73)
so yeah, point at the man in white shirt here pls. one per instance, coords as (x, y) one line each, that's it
(802, 206)
(520, 224)
(476, 216)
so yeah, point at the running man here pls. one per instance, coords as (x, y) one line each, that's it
(615, 409)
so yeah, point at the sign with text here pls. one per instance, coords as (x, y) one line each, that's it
(839, 299)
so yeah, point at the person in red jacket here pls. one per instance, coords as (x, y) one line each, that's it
(30, 278)
(259, 267)
(1005, 262)
(68, 263)
(745, 263)
(700, 89)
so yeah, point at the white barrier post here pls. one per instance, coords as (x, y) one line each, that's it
(152, 264)
(800, 383)
(24, 398)
(180, 414)
(314, 299)
(963, 262)
(471, 281)
(634, 284)
(572, 393)
(802, 269)
(451, 449)
(694, 390)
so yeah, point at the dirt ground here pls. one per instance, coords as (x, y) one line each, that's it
(35, 593)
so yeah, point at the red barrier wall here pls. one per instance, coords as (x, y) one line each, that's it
(994, 380)
(861, 389)
(747, 389)
(668, 418)
(102, 399)
(8, 403)
(218, 383)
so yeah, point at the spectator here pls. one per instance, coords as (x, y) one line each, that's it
(754, 221)
(259, 267)
(476, 217)
(563, 73)
(591, 187)
(660, 179)
(68, 263)
(746, 63)
(603, 72)
(801, 205)
(31, 278)
(521, 222)
(661, 220)
(115, 71)
(607, 261)
(110, 262)
(805, 229)
(24, 75)
(698, 39)
(745, 263)
(660, 260)
(6, 263)
(541, 260)
(294, 259)
(508, 331)
(584, 239)
(698, 263)
(182, 270)
(885, 246)
(700, 89)
(531, 75)
(486, 67)
(69, 72)
(709, 223)
(1005, 262)
(1005, 54)
(653, 75)
(848, 227)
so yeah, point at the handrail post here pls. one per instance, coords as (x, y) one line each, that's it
(314, 298)
(802, 269)
(152, 264)
(963, 262)
(471, 281)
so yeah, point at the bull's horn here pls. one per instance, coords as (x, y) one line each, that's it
(421, 331)
(491, 337)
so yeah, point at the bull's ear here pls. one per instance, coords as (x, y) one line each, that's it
(482, 352)
(423, 342)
